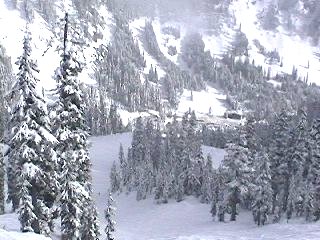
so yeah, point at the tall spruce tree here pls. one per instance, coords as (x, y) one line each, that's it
(236, 171)
(115, 179)
(313, 179)
(109, 215)
(32, 169)
(123, 166)
(5, 73)
(262, 202)
(2, 178)
(71, 131)
(297, 164)
(279, 161)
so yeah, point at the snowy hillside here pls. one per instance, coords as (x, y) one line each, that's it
(187, 220)
(4, 235)
(293, 50)
(43, 43)
(248, 91)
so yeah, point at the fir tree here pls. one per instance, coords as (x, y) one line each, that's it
(123, 167)
(90, 224)
(115, 180)
(2, 177)
(71, 131)
(32, 161)
(298, 165)
(236, 171)
(109, 215)
(262, 202)
(206, 187)
(279, 161)
(313, 182)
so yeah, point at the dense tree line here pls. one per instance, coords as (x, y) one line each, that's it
(273, 177)
(167, 164)
(118, 68)
(275, 180)
(5, 83)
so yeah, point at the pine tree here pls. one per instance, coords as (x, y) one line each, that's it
(115, 180)
(207, 179)
(3, 124)
(2, 178)
(32, 168)
(279, 161)
(217, 193)
(90, 224)
(248, 140)
(109, 215)
(138, 143)
(71, 131)
(313, 178)
(297, 164)
(123, 167)
(27, 215)
(236, 171)
(262, 202)
(146, 178)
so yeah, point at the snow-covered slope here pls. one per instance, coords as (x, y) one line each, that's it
(136, 27)
(44, 44)
(187, 220)
(5, 235)
(293, 50)
(207, 102)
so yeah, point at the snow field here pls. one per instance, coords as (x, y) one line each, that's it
(136, 26)
(202, 101)
(146, 220)
(187, 220)
(293, 50)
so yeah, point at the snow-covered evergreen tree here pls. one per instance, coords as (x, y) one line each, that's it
(298, 165)
(279, 156)
(109, 215)
(262, 202)
(313, 179)
(2, 178)
(123, 167)
(32, 168)
(90, 223)
(207, 182)
(236, 171)
(71, 132)
(115, 180)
